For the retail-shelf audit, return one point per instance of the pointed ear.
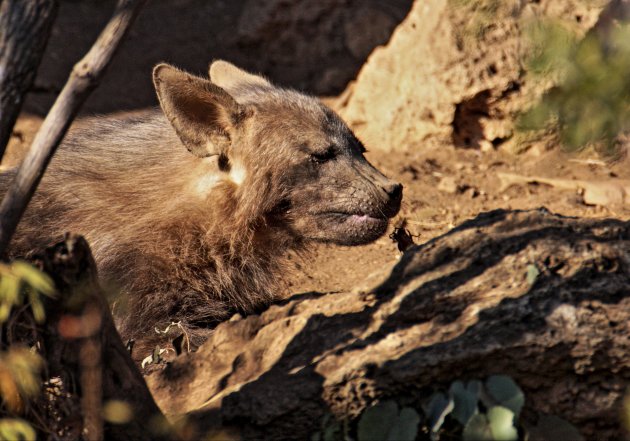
(203, 115)
(230, 77)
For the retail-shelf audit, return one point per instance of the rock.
(456, 308)
(448, 185)
(452, 73)
(369, 28)
(610, 193)
(486, 146)
(334, 36)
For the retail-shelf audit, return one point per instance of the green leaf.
(532, 274)
(376, 421)
(553, 427)
(117, 412)
(25, 367)
(9, 289)
(439, 406)
(501, 422)
(465, 402)
(35, 278)
(12, 429)
(477, 429)
(5, 310)
(506, 393)
(36, 306)
(406, 426)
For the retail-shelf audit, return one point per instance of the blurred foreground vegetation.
(591, 101)
(588, 101)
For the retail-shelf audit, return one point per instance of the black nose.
(394, 192)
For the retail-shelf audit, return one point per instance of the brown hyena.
(190, 211)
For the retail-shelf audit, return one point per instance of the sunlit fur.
(178, 235)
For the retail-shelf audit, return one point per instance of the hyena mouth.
(357, 228)
(356, 218)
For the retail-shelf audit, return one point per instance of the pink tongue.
(361, 218)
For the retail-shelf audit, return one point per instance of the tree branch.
(24, 30)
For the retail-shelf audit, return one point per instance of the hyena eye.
(321, 157)
(360, 145)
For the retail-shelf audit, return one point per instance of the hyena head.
(291, 162)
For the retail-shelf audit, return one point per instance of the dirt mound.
(453, 73)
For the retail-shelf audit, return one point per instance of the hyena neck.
(205, 264)
(203, 280)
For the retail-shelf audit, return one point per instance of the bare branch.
(83, 79)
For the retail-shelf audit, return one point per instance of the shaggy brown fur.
(196, 237)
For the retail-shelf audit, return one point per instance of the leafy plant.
(20, 281)
(505, 392)
(487, 411)
(496, 424)
(20, 367)
(465, 399)
(386, 422)
(19, 377)
(438, 407)
(591, 103)
(14, 429)
(472, 410)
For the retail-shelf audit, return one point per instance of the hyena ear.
(230, 77)
(203, 114)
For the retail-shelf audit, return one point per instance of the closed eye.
(321, 157)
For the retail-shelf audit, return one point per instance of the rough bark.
(24, 30)
(81, 345)
(457, 307)
(83, 79)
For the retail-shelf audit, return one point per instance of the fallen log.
(539, 297)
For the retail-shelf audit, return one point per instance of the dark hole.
(498, 141)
